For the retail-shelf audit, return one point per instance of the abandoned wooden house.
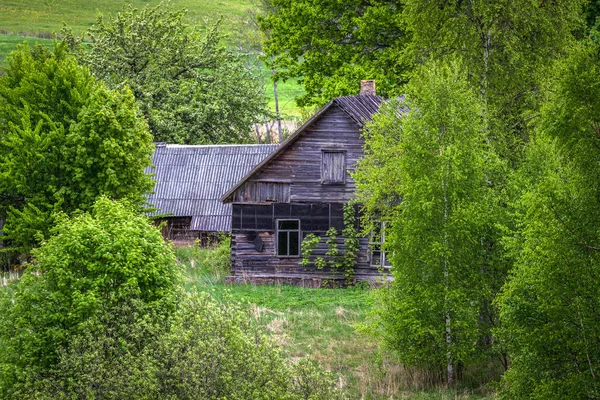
(299, 189)
(189, 183)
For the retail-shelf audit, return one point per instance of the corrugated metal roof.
(191, 179)
(360, 108)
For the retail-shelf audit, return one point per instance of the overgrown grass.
(320, 323)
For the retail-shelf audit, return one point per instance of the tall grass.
(320, 323)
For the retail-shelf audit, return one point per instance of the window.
(333, 168)
(376, 240)
(288, 237)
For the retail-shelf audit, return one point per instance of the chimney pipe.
(367, 87)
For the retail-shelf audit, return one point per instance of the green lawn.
(45, 16)
(320, 323)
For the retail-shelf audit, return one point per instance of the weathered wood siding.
(299, 166)
(247, 261)
(253, 241)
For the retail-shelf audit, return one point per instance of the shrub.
(93, 262)
(207, 350)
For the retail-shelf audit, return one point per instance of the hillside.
(36, 20)
(42, 17)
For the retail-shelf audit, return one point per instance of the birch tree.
(426, 171)
(549, 307)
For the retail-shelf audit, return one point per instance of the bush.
(206, 351)
(94, 262)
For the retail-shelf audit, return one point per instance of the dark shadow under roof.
(191, 179)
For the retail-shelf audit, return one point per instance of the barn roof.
(359, 108)
(191, 179)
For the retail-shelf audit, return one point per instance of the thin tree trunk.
(277, 108)
(449, 358)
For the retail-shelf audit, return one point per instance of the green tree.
(549, 306)
(65, 139)
(331, 46)
(505, 45)
(93, 262)
(426, 173)
(190, 88)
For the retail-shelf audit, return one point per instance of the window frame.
(383, 262)
(344, 169)
(277, 230)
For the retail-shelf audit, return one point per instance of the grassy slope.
(317, 322)
(45, 16)
(42, 17)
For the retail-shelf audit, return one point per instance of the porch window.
(376, 240)
(288, 237)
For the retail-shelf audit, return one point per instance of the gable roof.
(191, 179)
(359, 108)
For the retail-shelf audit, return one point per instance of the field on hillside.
(36, 20)
(29, 17)
(320, 323)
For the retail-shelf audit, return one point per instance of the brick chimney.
(367, 87)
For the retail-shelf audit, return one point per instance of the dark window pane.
(282, 210)
(282, 243)
(294, 250)
(248, 217)
(289, 225)
(264, 217)
(236, 221)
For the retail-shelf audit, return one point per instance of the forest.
(483, 165)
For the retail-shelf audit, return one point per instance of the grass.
(36, 20)
(31, 17)
(320, 323)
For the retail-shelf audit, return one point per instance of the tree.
(190, 89)
(93, 263)
(331, 46)
(426, 173)
(549, 306)
(506, 46)
(65, 140)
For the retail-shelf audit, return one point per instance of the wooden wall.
(290, 186)
(296, 173)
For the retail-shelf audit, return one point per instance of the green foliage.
(331, 46)
(549, 306)
(433, 156)
(506, 46)
(206, 350)
(190, 88)
(93, 263)
(66, 140)
(333, 258)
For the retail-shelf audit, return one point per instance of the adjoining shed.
(190, 181)
(299, 189)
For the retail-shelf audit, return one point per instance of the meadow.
(35, 21)
(320, 323)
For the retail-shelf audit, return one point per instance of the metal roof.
(359, 108)
(191, 179)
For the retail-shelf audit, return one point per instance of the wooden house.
(189, 181)
(301, 188)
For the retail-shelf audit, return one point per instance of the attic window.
(333, 167)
